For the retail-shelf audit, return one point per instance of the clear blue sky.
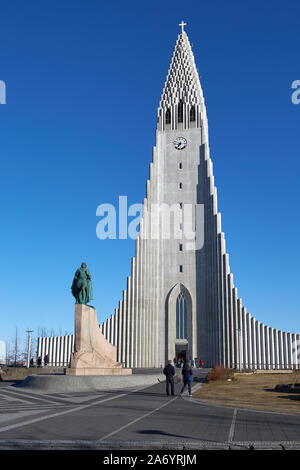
(83, 84)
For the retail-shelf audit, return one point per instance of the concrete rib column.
(61, 348)
(39, 342)
(233, 359)
(124, 328)
(258, 345)
(208, 283)
(113, 328)
(263, 346)
(253, 330)
(141, 347)
(225, 306)
(215, 305)
(272, 352)
(44, 349)
(50, 351)
(267, 347)
(276, 349)
(58, 350)
(69, 349)
(108, 329)
(146, 295)
(245, 335)
(53, 359)
(285, 351)
(151, 305)
(129, 311)
(222, 313)
(62, 351)
(294, 350)
(239, 342)
(138, 301)
(249, 340)
(118, 334)
(112, 324)
(298, 350)
(280, 346)
(150, 269)
(289, 348)
(116, 327)
(133, 314)
(66, 358)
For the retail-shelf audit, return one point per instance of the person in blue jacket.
(187, 374)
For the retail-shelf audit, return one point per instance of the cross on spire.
(182, 24)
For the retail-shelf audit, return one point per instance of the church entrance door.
(181, 353)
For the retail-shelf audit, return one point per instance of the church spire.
(182, 103)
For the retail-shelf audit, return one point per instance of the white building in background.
(181, 301)
(2, 352)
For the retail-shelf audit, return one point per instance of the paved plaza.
(140, 418)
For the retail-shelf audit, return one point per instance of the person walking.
(169, 372)
(187, 375)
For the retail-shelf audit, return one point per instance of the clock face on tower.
(180, 143)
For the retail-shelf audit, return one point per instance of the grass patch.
(253, 391)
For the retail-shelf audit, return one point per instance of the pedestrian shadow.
(291, 397)
(156, 432)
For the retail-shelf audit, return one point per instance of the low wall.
(69, 383)
(19, 373)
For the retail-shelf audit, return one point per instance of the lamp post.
(28, 346)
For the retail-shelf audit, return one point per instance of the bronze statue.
(82, 285)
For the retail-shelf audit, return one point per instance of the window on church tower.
(192, 114)
(181, 317)
(168, 116)
(180, 185)
(180, 166)
(180, 111)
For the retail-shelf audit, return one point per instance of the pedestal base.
(93, 355)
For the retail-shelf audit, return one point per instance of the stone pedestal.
(93, 355)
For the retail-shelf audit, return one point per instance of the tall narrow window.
(192, 114)
(180, 246)
(180, 166)
(180, 111)
(168, 116)
(181, 317)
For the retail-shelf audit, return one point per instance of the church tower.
(180, 298)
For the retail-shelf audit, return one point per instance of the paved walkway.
(144, 418)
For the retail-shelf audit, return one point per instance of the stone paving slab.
(137, 419)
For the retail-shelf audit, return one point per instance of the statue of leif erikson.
(82, 285)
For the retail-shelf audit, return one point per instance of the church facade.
(180, 299)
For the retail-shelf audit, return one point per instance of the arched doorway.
(179, 324)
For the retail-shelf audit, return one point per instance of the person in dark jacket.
(169, 372)
(187, 373)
